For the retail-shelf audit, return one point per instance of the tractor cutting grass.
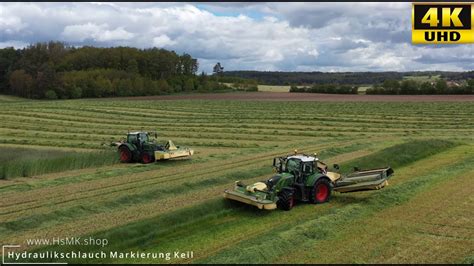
(178, 205)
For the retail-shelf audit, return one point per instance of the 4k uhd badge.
(442, 23)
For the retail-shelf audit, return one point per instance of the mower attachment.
(252, 195)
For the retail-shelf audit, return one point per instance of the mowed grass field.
(274, 88)
(423, 216)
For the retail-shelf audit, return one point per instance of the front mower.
(138, 147)
(303, 178)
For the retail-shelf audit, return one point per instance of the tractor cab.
(138, 138)
(300, 166)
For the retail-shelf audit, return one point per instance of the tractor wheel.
(321, 191)
(286, 200)
(125, 154)
(147, 158)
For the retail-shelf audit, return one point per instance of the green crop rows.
(60, 178)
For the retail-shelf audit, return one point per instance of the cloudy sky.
(242, 36)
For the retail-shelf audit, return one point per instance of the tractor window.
(132, 138)
(143, 137)
(307, 168)
(292, 165)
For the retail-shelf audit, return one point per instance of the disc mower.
(304, 178)
(138, 147)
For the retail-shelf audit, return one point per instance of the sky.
(297, 36)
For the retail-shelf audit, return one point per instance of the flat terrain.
(423, 216)
(307, 97)
(273, 88)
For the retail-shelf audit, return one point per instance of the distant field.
(302, 97)
(362, 89)
(423, 216)
(423, 78)
(272, 88)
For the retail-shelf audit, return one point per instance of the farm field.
(423, 216)
(273, 88)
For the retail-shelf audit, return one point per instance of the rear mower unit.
(138, 147)
(303, 178)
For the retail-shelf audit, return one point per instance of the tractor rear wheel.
(286, 200)
(125, 154)
(147, 158)
(321, 191)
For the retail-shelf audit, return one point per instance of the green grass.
(305, 234)
(145, 233)
(9, 98)
(178, 205)
(27, 162)
(399, 155)
(422, 78)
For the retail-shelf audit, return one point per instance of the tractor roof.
(304, 158)
(137, 132)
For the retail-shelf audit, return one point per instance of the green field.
(423, 78)
(423, 216)
(273, 88)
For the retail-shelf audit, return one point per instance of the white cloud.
(101, 33)
(163, 41)
(252, 36)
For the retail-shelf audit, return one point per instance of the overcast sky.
(242, 36)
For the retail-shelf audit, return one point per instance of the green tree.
(8, 57)
(391, 86)
(427, 88)
(75, 92)
(188, 84)
(51, 95)
(441, 86)
(409, 86)
(132, 66)
(163, 86)
(22, 83)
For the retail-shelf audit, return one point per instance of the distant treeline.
(55, 70)
(327, 88)
(408, 86)
(356, 78)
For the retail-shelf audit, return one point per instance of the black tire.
(286, 200)
(321, 191)
(125, 154)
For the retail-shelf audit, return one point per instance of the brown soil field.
(272, 96)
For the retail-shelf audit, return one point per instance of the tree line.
(356, 78)
(56, 70)
(326, 88)
(408, 86)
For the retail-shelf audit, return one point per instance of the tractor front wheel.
(321, 191)
(125, 154)
(147, 158)
(286, 200)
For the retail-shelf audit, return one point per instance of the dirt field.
(271, 96)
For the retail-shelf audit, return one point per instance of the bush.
(50, 95)
(427, 87)
(246, 85)
(327, 88)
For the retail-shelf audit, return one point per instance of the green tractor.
(303, 178)
(138, 147)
